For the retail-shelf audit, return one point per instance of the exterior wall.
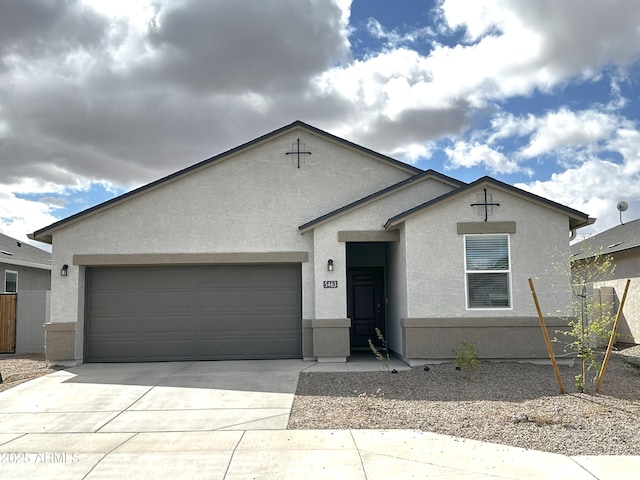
(518, 338)
(28, 278)
(32, 313)
(436, 288)
(252, 202)
(331, 303)
(627, 267)
(396, 293)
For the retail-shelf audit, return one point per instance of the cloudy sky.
(99, 97)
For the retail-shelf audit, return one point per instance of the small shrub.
(384, 355)
(467, 359)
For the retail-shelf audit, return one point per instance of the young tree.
(592, 319)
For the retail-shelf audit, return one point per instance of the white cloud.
(565, 128)
(556, 130)
(19, 216)
(474, 154)
(595, 187)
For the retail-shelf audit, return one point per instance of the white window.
(10, 281)
(488, 268)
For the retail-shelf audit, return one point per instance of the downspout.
(572, 231)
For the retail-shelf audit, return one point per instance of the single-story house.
(298, 244)
(25, 272)
(622, 243)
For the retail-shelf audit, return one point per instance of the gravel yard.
(19, 368)
(508, 403)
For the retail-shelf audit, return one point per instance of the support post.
(546, 338)
(612, 339)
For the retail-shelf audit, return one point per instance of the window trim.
(5, 280)
(507, 271)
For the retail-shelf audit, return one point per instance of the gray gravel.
(19, 368)
(514, 404)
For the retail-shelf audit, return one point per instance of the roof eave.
(419, 177)
(576, 219)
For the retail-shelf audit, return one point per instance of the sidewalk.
(290, 454)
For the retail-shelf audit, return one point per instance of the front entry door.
(365, 305)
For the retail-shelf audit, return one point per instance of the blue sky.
(97, 97)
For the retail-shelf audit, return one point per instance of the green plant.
(384, 355)
(591, 321)
(467, 359)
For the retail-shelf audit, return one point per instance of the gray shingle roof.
(17, 252)
(616, 239)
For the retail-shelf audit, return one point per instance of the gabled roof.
(16, 252)
(45, 234)
(616, 239)
(380, 194)
(576, 219)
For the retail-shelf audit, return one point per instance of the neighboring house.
(25, 270)
(622, 243)
(297, 245)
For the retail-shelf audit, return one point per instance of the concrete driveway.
(155, 397)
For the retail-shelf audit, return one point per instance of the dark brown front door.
(365, 305)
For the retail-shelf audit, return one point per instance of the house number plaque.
(330, 284)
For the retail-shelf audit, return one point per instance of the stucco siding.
(28, 278)
(251, 202)
(435, 258)
(396, 293)
(627, 267)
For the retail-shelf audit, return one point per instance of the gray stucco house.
(297, 245)
(23, 267)
(26, 271)
(622, 243)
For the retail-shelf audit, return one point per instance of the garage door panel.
(228, 276)
(221, 323)
(273, 297)
(107, 325)
(165, 324)
(220, 300)
(167, 349)
(166, 300)
(114, 350)
(164, 278)
(113, 301)
(276, 323)
(112, 279)
(193, 312)
(273, 348)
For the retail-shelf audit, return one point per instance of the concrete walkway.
(227, 420)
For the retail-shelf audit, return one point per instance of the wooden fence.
(8, 322)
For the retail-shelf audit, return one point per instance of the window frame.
(6, 273)
(507, 271)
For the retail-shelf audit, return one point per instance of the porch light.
(330, 265)
(63, 270)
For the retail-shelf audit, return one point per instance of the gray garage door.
(193, 313)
